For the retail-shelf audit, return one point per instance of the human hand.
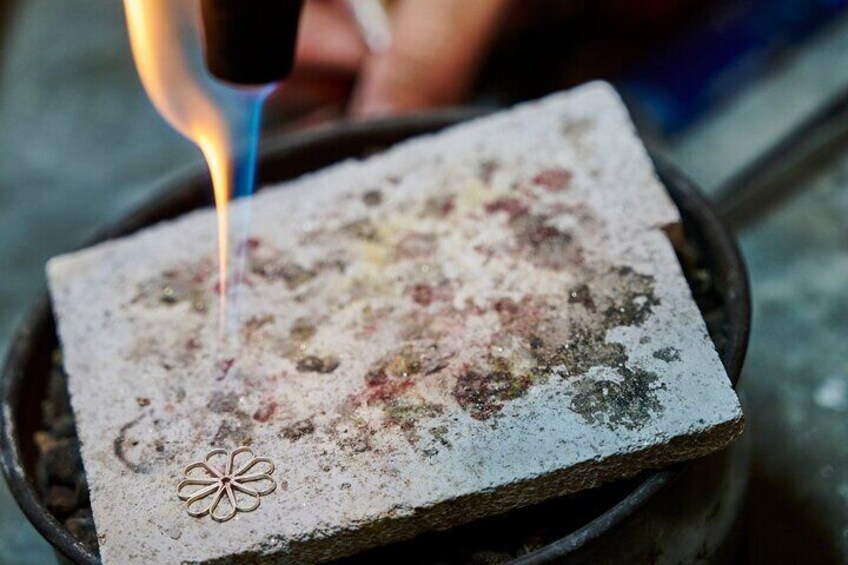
(432, 59)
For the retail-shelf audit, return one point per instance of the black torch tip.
(250, 42)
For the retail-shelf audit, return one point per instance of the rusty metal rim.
(185, 190)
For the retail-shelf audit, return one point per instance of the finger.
(328, 39)
(436, 49)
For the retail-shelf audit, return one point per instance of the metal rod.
(781, 171)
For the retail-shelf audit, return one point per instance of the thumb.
(436, 49)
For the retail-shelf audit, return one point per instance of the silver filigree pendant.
(226, 483)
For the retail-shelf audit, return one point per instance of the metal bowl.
(624, 520)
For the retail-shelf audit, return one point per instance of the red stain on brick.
(447, 206)
(387, 391)
(422, 294)
(393, 376)
(241, 279)
(416, 245)
(425, 294)
(512, 206)
(518, 316)
(553, 179)
(224, 366)
(248, 244)
(506, 306)
(202, 272)
(540, 234)
(265, 412)
(486, 251)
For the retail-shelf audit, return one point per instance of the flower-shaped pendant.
(225, 483)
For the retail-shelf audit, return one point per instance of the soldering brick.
(469, 322)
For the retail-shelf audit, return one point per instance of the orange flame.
(165, 36)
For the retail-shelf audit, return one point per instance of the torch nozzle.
(250, 42)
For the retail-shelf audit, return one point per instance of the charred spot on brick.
(179, 394)
(486, 170)
(632, 312)
(143, 456)
(439, 206)
(506, 306)
(186, 284)
(298, 430)
(376, 376)
(234, 431)
(265, 411)
(482, 393)
(629, 402)
(434, 360)
(371, 318)
(417, 325)
(363, 229)
(416, 245)
(667, 354)
(553, 179)
(545, 245)
(583, 350)
(566, 347)
(407, 413)
(223, 403)
(256, 323)
(487, 251)
(119, 448)
(638, 300)
(372, 198)
(513, 207)
(338, 265)
(536, 343)
(538, 234)
(303, 329)
(569, 348)
(405, 363)
(576, 127)
(316, 364)
(582, 295)
(291, 273)
(359, 443)
(440, 434)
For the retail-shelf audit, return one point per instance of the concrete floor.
(796, 378)
(80, 144)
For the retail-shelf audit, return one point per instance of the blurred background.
(748, 97)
